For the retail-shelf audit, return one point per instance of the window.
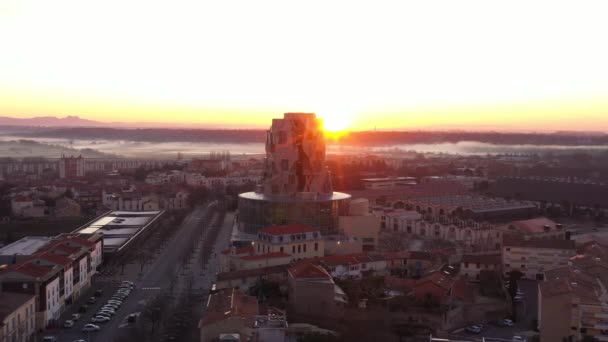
(305, 247)
(299, 249)
(316, 246)
(364, 266)
(507, 265)
(508, 249)
(523, 266)
(293, 249)
(281, 249)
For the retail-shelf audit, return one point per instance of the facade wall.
(20, 325)
(366, 228)
(532, 262)
(554, 317)
(312, 298)
(256, 214)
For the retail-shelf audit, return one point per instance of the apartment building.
(472, 264)
(277, 245)
(361, 224)
(475, 235)
(56, 273)
(533, 257)
(312, 292)
(573, 304)
(17, 317)
(299, 241)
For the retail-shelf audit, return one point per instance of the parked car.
(473, 329)
(98, 293)
(106, 311)
(128, 282)
(91, 327)
(506, 323)
(68, 324)
(518, 298)
(100, 319)
(519, 339)
(49, 339)
(75, 317)
(132, 318)
(92, 300)
(115, 301)
(83, 308)
(100, 314)
(79, 340)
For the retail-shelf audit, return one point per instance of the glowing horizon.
(536, 66)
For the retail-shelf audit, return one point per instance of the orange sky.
(516, 65)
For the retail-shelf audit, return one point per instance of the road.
(148, 284)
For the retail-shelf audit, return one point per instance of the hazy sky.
(535, 65)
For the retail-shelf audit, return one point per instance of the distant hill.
(380, 138)
(50, 121)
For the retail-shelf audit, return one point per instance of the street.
(156, 277)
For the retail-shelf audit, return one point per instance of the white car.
(91, 327)
(68, 324)
(128, 282)
(519, 339)
(75, 317)
(100, 319)
(473, 329)
(506, 323)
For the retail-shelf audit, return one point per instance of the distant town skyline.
(472, 65)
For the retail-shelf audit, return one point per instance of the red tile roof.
(535, 226)
(305, 270)
(23, 199)
(238, 251)
(229, 303)
(31, 269)
(265, 256)
(288, 229)
(56, 259)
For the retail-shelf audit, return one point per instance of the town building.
(361, 224)
(472, 265)
(71, 167)
(17, 317)
(573, 302)
(296, 186)
(540, 227)
(533, 257)
(473, 207)
(276, 245)
(56, 273)
(121, 229)
(387, 182)
(228, 311)
(312, 292)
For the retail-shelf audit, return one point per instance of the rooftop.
(305, 270)
(288, 229)
(487, 258)
(536, 225)
(119, 227)
(229, 303)
(11, 301)
(510, 241)
(25, 246)
(265, 256)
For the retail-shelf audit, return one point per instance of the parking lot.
(526, 313)
(75, 333)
